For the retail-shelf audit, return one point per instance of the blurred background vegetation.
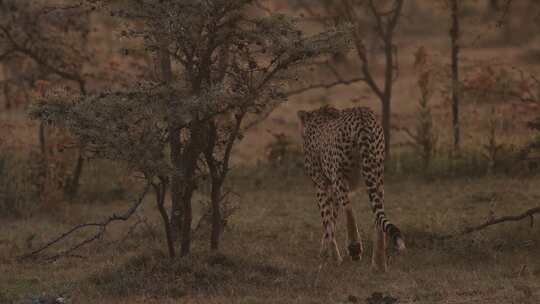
(498, 89)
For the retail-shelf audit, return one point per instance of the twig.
(132, 229)
(260, 118)
(325, 85)
(49, 9)
(527, 214)
(263, 7)
(101, 226)
(408, 132)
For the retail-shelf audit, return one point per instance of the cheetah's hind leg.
(329, 248)
(328, 242)
(378, 259)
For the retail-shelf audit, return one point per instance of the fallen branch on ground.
(131, 231)
(101, 226)
(509, 218)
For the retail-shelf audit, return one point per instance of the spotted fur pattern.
(341, 148)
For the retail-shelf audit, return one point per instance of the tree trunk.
(454, 35)
(187, 187)
(386, 111)
(176, 183)
(175, 144)
(187, 218)
(43, 158)
(216, 214)
(7, 97)
(494, 5)
(72, 186)
(217, 179)
(189, 158)
(387, 93)
(491, 10)
(385, 27)
(161, 190)
(41, 138)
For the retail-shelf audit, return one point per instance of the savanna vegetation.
(150, 152)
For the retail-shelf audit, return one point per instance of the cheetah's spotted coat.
(341, 146)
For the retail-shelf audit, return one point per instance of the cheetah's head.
(309, 118)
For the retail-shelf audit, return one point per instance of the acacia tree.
(118, 126)
(383, 17)
(51, 44)
(222, 62)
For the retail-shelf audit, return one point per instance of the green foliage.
(469, 163)
(424, 136)
(285, 157)
(220, 61)
(117, 126)
(281, 148)
(491, 149)
(214, 81)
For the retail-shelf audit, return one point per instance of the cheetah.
(341, 147)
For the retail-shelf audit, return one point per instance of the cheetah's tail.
(390, 229)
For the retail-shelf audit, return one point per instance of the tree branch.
(325, 85)
(509, 218)
(16, 47)
(396, 11)
(378, 18)
(408, 132)
(101, 226)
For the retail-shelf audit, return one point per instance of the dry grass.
(270, 251)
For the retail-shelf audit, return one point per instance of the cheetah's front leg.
(328, 241)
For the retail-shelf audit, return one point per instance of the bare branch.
(509, 218)
(325, 85)
(260, 118)
(308, 8)
(133, 228)
(367, 73)
(378, 18)
(408, 132)
(396, 11)
(24, 47)
(101, 226)
(262, 7)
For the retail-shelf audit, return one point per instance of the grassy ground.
(270, 250)
(270, 247)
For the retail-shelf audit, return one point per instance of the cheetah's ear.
(302, 116)
(330, 110)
